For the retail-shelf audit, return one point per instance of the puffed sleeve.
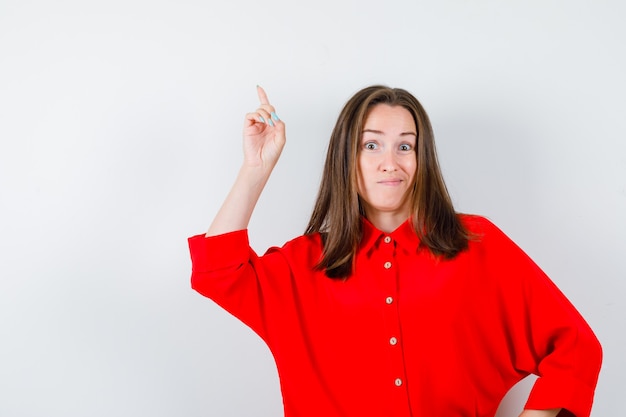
(546, 335)
(227, 270)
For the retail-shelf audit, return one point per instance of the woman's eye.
(370, 146)
(405, 147)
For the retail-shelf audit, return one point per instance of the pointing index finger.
(262, 96)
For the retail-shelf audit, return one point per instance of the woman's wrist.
(541, 413)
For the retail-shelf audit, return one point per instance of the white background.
(120, 129)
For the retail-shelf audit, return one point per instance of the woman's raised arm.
(263, 142)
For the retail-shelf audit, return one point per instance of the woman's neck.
(386, 221)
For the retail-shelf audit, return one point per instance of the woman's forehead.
(386, 119)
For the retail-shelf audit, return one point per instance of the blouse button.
(393, 341)
(398, 382)
(389, 300)
(387, 265)
(387, 239)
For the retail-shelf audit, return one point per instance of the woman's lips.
(392, 181)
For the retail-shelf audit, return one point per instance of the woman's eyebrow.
(380, 132)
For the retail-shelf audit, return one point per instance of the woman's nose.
(388, 162)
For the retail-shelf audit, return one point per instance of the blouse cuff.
(218, 252)
(569, 394)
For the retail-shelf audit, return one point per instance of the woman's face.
(387, 161)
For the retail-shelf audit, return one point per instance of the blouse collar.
(404, 236)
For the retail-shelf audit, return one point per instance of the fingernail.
(275, 116)
(261, 119)
(271, 123)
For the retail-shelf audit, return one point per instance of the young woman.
(391, 303)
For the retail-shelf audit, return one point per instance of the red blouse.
(408, 334)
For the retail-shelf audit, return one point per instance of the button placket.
(389, 275)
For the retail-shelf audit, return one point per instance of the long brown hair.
(338, 209)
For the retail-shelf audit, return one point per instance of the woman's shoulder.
(482, 230)
(304, 246)
(306, 242)
(476, 224)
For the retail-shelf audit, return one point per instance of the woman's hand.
(263, 141)
(263, 135)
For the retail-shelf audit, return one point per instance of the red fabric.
(464, 331)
